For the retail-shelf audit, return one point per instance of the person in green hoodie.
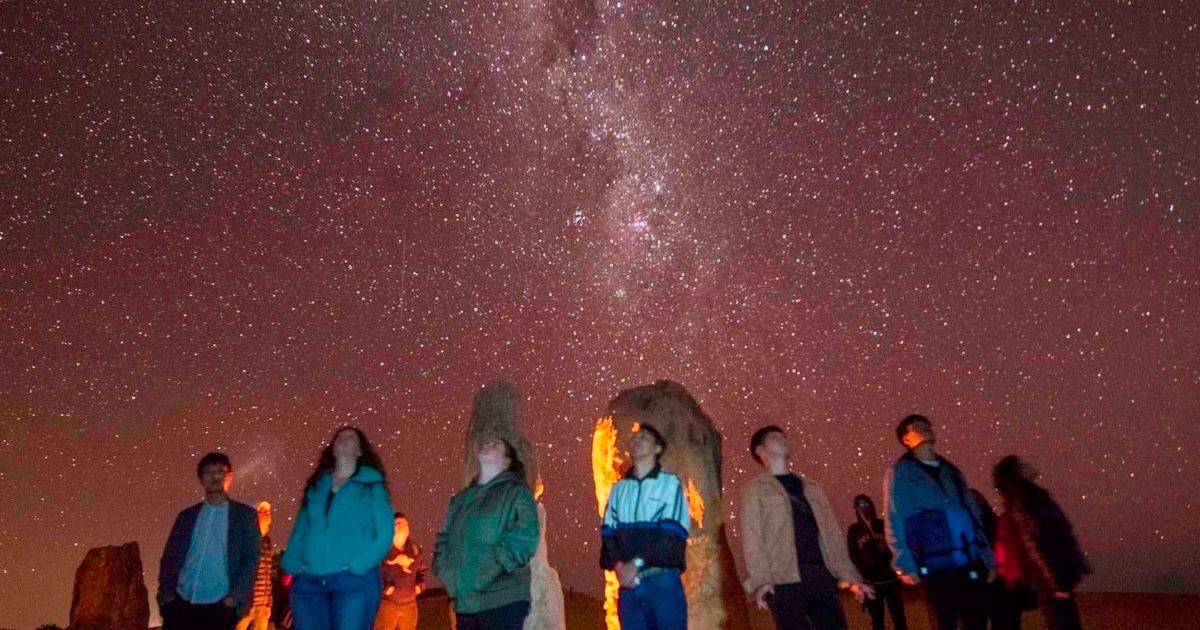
(343, 532)
(484, 547)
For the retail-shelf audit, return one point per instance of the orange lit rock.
(715, 598)
(110, 593)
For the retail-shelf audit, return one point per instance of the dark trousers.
(888, 594)
(506, 617)
(1060, 614)
(180, 615)
(656, 603)
(956, 597)
(810, 604)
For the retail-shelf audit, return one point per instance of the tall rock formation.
(110, 592)
(715, 598)
(497, 414)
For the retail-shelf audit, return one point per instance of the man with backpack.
(934, 528)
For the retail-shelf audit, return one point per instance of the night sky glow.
(237, 225)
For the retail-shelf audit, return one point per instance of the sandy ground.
(1101, 611)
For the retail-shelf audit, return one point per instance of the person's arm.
(981, 540)
(250, 542)
(758, 573)
(519, 541)
(608, 542)
(171, 562)
(1028, 532)
(292, 559)
(838, 561)
(441, 565)
(895, 511)
(384, 523)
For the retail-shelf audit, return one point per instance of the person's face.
(402, 531)
(492, 452)
(346, 445)
(264, 519)
(216, 478)
(918, 433)
(865, 507)
(642, 444)
(774, 443)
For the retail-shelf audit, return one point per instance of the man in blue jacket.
(932, 524)
(206, 575)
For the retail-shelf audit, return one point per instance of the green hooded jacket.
(484, 547)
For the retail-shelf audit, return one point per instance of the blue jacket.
(646, 518)
(909, 489)
(242, 556)
(350, 531)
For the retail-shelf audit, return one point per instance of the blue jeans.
(338, 601)
(658, 603)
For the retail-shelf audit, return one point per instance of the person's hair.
(863, 497)
(210, 459)
(907, 422)
(399, 515)
(326, 461)
(1007, 475)
(658, 438)
(759, 437)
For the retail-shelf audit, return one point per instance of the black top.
(870, 553)
(808, 535)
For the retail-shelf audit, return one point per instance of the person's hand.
(626, 573)
(760, 596)
(230, 602)
(405, 562)
(418, 589)
(910, 579)
(862, 592)
(389, 590)
(1062, 595)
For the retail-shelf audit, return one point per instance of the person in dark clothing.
(869, 552)
(1049, 552)
(404, 571)
(206, 575)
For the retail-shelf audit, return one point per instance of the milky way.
(238, 225)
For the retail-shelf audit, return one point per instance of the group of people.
(353, 566)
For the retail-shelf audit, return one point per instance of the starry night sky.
(237, 225)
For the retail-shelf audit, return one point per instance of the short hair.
(399, 515)
(210, 459)
(908, 421)
(654, 433)
(759, 437)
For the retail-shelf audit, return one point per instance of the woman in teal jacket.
(343, 532)
(484, 548)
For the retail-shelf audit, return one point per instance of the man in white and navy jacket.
(644, 539)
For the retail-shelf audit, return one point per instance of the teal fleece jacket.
(350, 531)
(484, 547)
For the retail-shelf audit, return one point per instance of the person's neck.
(778, 465)
(488, 473)
(399, 544)
(643, 466)
(925, 453)
(345, 468)
(216, 498)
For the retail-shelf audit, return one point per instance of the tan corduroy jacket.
(769, 538)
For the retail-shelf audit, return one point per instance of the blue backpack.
(943, 538)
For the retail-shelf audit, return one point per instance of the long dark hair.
(326, 461)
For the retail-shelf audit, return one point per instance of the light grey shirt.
(205, 575)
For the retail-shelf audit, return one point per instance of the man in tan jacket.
(795, 554)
